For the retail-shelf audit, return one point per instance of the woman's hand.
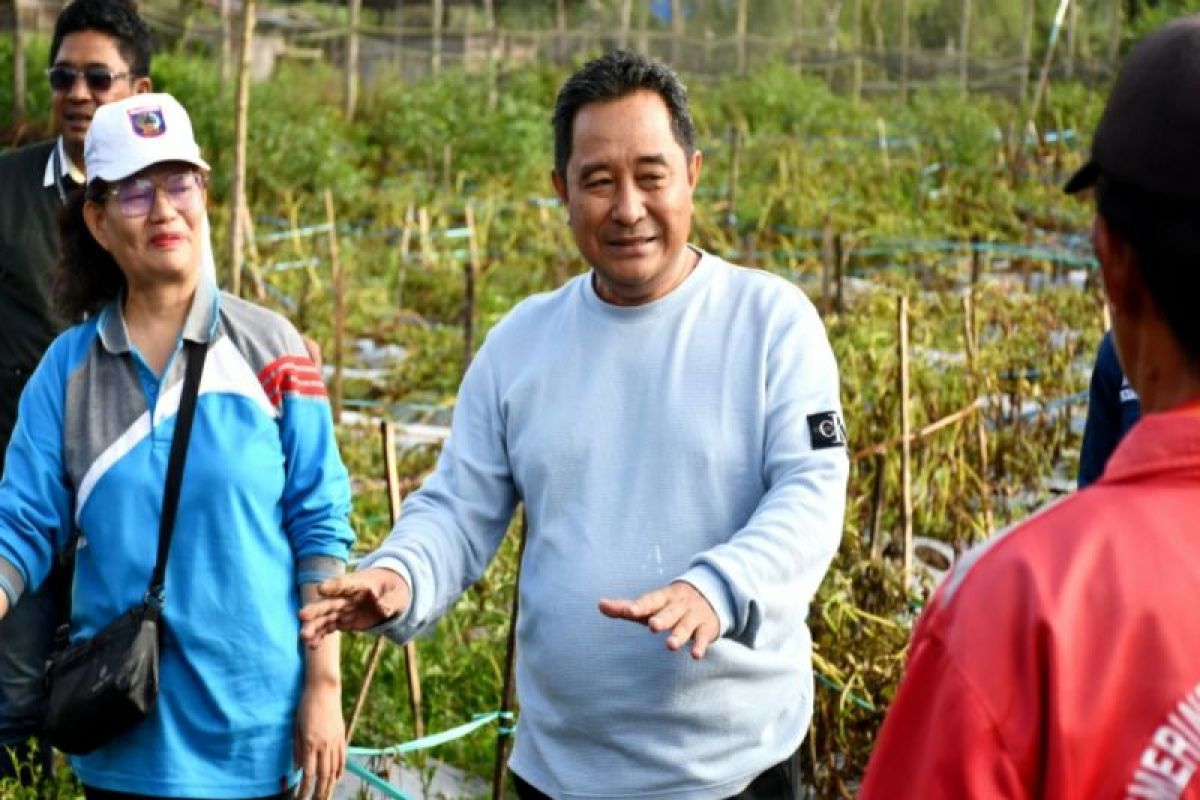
(320, 739)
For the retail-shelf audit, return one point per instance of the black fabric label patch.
(826, 430)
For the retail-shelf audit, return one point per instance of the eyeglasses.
(99, 79)
(135, 197)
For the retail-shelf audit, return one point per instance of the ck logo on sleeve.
(826, 430)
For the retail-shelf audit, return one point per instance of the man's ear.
(93, 217)
(560, 185)
(1119, 268)
(143, 85)
(694, 164)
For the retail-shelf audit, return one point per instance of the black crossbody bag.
(103, 686)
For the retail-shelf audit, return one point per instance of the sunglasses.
(99, 79)
(135, 197)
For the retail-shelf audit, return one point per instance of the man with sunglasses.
(100, 53)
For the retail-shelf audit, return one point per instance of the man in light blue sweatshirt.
(672, 424)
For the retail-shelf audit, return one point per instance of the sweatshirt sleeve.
(452, 526)
(938, 740)
(35, 497)
(773, 565)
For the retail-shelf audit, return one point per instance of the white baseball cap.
(129, 135)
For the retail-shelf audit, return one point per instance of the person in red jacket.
(1062, 658)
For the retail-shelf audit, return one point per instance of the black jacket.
(28, 249)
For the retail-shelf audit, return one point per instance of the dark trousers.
(103, 794)
(780, 782)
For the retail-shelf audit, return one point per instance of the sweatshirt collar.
(199, 326)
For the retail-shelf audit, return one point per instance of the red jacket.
(1062, 658)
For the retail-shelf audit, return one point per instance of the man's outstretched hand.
(680, 607)
(354, 602)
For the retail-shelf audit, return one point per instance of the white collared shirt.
(69, 169)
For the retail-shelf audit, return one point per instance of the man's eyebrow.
(653, 159)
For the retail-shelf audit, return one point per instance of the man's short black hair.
(116, 18)
(611, 77)
(1164, 233)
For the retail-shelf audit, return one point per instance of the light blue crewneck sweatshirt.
(651, 443)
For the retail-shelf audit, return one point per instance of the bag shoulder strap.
(196, 353)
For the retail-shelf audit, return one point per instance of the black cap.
(1149, 135)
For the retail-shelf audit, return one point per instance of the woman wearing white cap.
(242, 710)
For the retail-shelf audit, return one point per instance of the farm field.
(941, 217)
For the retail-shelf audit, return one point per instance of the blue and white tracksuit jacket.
(264, 507)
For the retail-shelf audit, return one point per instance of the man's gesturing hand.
(354, 602)
(678, 606)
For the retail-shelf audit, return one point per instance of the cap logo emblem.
(147, 122)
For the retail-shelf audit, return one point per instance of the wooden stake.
(388, 432)
(18, 65)
(904, 51)
(970, 343)
(735, 148)
(470, 270)
(798, 35)
(828, 254)
(625, 18)
(1027, 47)
(964, 45)
(435, 58)
(260, 291)
(226, 17)
(350, 100)
(560, 32)
(504, 735)
(339, 309)
(876, 535)
(906, 443)
(676, 32)
(240, 127)
(857, 73)
(1044, 78)
(489, 16)
(839, 269)
(743, 14)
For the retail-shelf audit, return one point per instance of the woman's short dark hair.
(1165, 235)
(116, 18)
(613, 76)
(86, 276)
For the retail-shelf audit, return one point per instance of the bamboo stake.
(1027, 47)
(350, 100)
(560, 32)
(643, 28)
(828, 254)
(798, 35)
(18, 68)
(241, 126)
(964, 45)
(260, 290)
(435, 57)
(1047, 61)
(839, 269)
(676, 32)
(470, 270)
(388, 432)
(925, 432)
(339, 310)
(877, 489)
(489, 16)
(503, 736)
(735, 148)
(904, 51)
(226, 17)
(742, 24)
(906, 440)
(1114, 35)
(857, 74)
(625, 16)
(970, 341)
